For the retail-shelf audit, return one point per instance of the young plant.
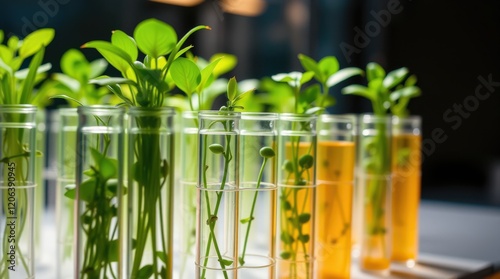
(266, 153)
(233, 96)
(72, 84)
(200, 80)
(99, 194)
(146, 84)
(388, 93)
(298, 166)
(17, 85)
(300, 96)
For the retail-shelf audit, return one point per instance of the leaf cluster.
(389, 92)
(17, 83)
(73, 83)
(307, 96)
(144, 82)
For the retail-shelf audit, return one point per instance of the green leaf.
(72, 84)
(153, 76)
(35, 41)
(226, 63)
(304, 218)
(359, 90)
(162, 255)
(216, 148)
(97, 67)
(311, 66)
(395, 77)
(376, 85)
(246, 220)
(304, 238)
(310, 94)
(89, 172)
(408, 92)
(70, 191)
(23, 74)
(232, 89)
(267, 152)
(107, 167)
(5, 67)
(87, 190)
(104, 80)
(217, 88)
(113, 54)
(411, 80)
(286, 238)
(75, 65)
(13, 44)
(285, 77)
(207, 74)
(225, 262)
(6, 54)
(16, 63)
(1, 36)
(307, 76)
(285, 255)
(68, 98)
(306, 161)
(113, 250)
(314, 110)
(374, 71)
(329, 65)
(182, 51)
(29, 82)
(342, 75)
(155, 38)
(145, 272)
(186, 75)
(125, 43)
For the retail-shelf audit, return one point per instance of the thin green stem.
(251, 218)
(212, 217)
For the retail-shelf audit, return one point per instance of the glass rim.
(219, 115)
(297, 116)
(147, 111)
(18, 108)
(67, 111)
(101, 109)
(372, 118)
(336, 118)
(259, 116)
(190, 113)
(414, 119)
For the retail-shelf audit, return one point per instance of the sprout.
(216, 148)
(306, 161)
(267, 152)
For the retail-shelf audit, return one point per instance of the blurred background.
(452, 46)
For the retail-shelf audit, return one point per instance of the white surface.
(464, 231)
(465, 235)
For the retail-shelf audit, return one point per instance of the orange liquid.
(375, 246)
(296, 249)
(335, 170)
(406, 163)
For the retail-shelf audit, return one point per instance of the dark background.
(449, 45)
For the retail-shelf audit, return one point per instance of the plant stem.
(250, 218)
(212, 218)
(149, 183)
